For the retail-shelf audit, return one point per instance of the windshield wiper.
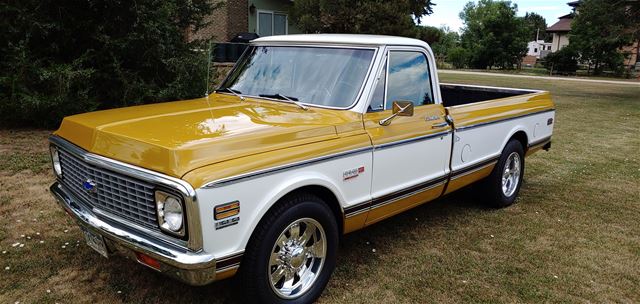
(292, 100)
(232, 91)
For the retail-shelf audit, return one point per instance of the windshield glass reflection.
(312, 75)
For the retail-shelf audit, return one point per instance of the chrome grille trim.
(122, 196)
(194, 230)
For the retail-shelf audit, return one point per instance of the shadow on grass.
(145, 283)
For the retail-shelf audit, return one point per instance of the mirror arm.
(387, 121)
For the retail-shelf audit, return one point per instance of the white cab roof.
(342, 39)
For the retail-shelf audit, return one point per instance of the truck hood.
(176, 137)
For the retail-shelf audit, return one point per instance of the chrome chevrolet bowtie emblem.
(89, 186)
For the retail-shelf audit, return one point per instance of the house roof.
(342, 39)
(574, 3)
(563, 25)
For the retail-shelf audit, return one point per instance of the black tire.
(254, 273)
(492, 186)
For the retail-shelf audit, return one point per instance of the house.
(538, 49)
(561, 29)
(264, 17)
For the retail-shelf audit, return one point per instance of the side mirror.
(400, 108)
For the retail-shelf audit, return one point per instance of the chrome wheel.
(297, 258)
(511, 174)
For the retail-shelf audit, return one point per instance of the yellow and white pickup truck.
(309, 137)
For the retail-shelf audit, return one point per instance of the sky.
(446, 11)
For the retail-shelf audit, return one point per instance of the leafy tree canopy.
(65, 57)
(597, 38)
(494, 34)
(360, 16)
(536, 27)
(448, 41)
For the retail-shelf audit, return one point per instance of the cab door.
(411, 153)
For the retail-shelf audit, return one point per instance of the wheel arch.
(518, 133)
(322, 190)
(522, 137)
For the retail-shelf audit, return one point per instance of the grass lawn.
(573, 236)
(528, 71)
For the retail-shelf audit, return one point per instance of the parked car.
(308, 138)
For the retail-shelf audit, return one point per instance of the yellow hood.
(177, 137)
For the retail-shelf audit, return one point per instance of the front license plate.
(96, 242)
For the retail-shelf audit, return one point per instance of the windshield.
(313, 75)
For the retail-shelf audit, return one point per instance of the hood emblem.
(89, 185)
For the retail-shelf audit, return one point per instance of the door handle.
(440, 125)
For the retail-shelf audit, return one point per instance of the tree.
(458, 57)
(564, 61)
(449, 40)
(634, 19)
(429, 34)
(596, 38)
(65, 57)
(536, 27)
(493, 34)
(360, 16)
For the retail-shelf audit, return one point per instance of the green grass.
(573, 235)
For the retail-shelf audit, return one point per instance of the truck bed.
(458, 94)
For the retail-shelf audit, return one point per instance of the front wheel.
(292, 253)
(502, 186)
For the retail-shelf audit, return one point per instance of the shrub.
(66, 57)
(564, 61)
(458, 57)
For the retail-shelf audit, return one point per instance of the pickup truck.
(309, 137)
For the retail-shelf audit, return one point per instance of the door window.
(377, 100)
(409, 78)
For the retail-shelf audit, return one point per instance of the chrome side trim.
(276, 169)
(463, 128)
(189, 194)
(410, 194)
(410, 140)
(476, 169)
(229, 262)
(394, 196)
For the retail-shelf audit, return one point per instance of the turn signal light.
(226, 210)
(148, 261)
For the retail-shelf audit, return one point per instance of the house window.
(535, 50)
(272, 23)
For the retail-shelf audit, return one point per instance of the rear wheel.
(292, 253)
(503, 185)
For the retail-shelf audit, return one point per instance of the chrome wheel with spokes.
(511, 174)
(297, 258)
(501, 187)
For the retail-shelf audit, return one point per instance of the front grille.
(114, 193)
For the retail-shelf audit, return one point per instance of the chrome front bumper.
(194, 268)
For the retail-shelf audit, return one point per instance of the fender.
(296, 181)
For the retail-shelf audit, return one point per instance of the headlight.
(170, 213)
(55, 160)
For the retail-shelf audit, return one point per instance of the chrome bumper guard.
(194, 268)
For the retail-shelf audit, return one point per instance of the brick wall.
(225, 22)
(237, 17)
